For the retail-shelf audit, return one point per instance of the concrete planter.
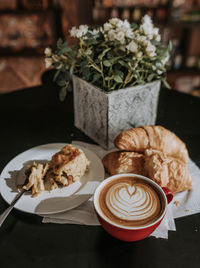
(102, 116)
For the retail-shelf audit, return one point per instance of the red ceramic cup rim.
(101, 185)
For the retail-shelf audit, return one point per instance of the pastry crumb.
(176, 203)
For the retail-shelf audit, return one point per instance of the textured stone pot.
(102, 116)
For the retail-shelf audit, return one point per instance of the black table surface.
(35, 116)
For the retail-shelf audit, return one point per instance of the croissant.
(167, 171)
(124, 162)
(156, 137)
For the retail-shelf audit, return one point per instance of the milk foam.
(132, 202)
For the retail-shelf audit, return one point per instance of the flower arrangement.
(113, 56)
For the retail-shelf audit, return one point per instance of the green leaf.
(118, 79)
(107, 63)
(62, 83)
(62, 93)
(64, 50)
(150, 77)
(56, 75)
(170, 46)
(123, 63)
(103, 53)
(166, 84)
(109, 77)
(71, 70)
(134, 25)
(96, 77)
(59, 43)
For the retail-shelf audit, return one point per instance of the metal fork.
(4, 215)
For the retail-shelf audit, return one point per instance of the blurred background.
(28, 26)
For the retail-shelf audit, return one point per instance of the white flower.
(155, 31)
(81, 31)
(114, 21)
(156, 34)
(111, 35)
(158, 38)
(126, 24)
(129, 33)
(73, 31)
(147, 29)
(95, 32)
(146, 43)
(120, 24)
(147, 19)
(139, 54)
(107, 26)
(150, 50)
(159, 72)
(141, 38)
(48, 62)
(48, 51)
(132, 46)
(120, 37)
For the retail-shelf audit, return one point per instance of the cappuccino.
(131, 201)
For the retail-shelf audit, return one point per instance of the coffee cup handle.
(168, 193)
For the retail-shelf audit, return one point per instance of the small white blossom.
(129, 33)
(95, 32)
(107, 26)
(147, 19)
(141, 38)
(120, 37)
(114, 21)
(150, 50)
(48, 62)
(80, 32)
(120, 24)
(158, 38)
(111, 35)
(83, 29)
(147, 29)
(132, 46)
(159, 72)
(73, 31)
(126, 25)
(48, 51)
(139, 54)
(155, 31)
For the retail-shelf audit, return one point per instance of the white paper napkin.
(183, 204)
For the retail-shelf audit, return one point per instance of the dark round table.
(35, 116)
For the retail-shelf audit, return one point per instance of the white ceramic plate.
(57, 200)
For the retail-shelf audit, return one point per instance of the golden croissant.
(156, 137)
(167, 171)
(123, 162)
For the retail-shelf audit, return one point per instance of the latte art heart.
(132, 202)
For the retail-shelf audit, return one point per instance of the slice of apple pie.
(67, 166)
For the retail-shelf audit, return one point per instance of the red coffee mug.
(127, 233)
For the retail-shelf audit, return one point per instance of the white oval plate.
(57, 200)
